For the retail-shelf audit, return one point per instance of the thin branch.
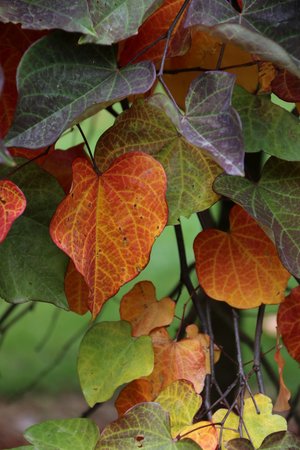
(220, 58)
(15, 319)
(9, 310)
(29, 161)
(257, 351)
(89, 150)
(111, 111)
(89, 411)
(208, 69)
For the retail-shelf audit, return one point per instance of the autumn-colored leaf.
(266, 73)
(288, 320)
(147, 127)
(192, 331)
(282, 400)
(12, 205)
(182, 403)
(286, 86)
(141, 308)
(108, 223)
(281, 440)
(203, 433)
(257, 425)
(182, 360)
(76, 290)
(138, 391)
(155, 26)
(104, 347)
(240, 267)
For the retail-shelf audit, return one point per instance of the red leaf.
(108, 223)
(286, 86)
(76, 290)
(288, 320)
(12, 205)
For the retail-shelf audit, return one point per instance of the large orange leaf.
(288, 320)
(156, 25)
(176, 360)
(240, 267)
(108, 223)
(138, 391)
(141, 308)
(12, 205)
(76, 290)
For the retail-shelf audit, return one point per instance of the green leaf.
(31, 266)
(118, 19)
(60, 83)
(67, 434)
(267, 126)
(109, 357)
(190, 172)
(281, 441)
(211, 123)
(239, 444)
(274, 202)
(144, 426)
(269, 29)
(47, 14)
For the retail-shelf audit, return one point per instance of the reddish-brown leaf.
(154, 27)
(141, 308)
(204, 433)
(138, 391)
(76, 290)
(282, 401)
(286, 86)
(288, 321)
(240, 267)
(12, 205)
(192, 332)
(182, 360)
(108, 223)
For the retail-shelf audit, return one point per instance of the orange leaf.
(266, 74)
(141, 308)
(137, 391)
(12, 205)
(203, 433)
(76, 290)
(182, 360)
(192, 331)
(240, 267)
(282, 401)
(288, 320)
(108, 223)
(155, 26)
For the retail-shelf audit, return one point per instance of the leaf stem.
(111, 111)
(89, 150)
(16, 169)
(257, 351)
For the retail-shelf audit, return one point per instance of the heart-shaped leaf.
(138, 391)
(189, 171)
(12, 205)
(146, 425)
(51, 73)
(108, 223)
(269, 30)
(211, 123)
(275, 202)
(244, 261)
(204, 433)
(288, 320)
(105, 347)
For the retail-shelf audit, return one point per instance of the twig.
(257, 352)
(89, 149)
(15, 319)
(111, 111)
(220, 58)
(29, 161)
(208, 69)
(89, 411)
(7, 312)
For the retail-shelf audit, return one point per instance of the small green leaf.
(109, 357)
(267, 126)
(145, 426)
(31, 266)
(67, 434)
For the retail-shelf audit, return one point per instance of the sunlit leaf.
(258, 425)
(288, 321)
(189, 171)
(54, 93)
(286, 86)
(144, 312)
(266, 73)
(181, 360)
(192, 331)
(211, 123)
(240, 267)
(263, 125)
(182, 403)
(270, 31)
(275, 202)
(38, 265)
(108, 223)
(154, 27)
(145, 426)
(76, 290)
(109, 357)
(204, 433)
(12, 205)
(66, 434)
(138, 391)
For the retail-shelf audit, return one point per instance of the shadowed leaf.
(288, 321)
(76, 290)
(12, 205)
(108, 223)
(53, 93)
(145, 426)
(274, 202)
(192, 332)
(286, 86)
(105, 347)
(138, 391)
(239, 444)
(144, 312)
(282, 440)
(284, 395)
(240, 267)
